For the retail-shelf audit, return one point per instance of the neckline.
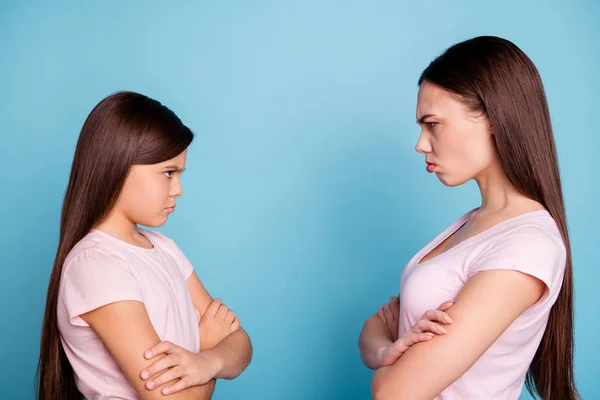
(127, 244)
(479, 236)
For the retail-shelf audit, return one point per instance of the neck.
(117, 225)
(498, 194)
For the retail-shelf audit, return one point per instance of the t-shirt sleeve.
(94, 279)
(527, 249)
(183, 263)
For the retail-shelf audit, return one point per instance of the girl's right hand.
(422, 331)
(216, 324)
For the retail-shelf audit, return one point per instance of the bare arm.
(488, 304)
(127, 332)
(379, 348)
(233, 354)
(373, 336)
(200, 296)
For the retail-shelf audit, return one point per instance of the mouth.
(171, 208)
(430, 166)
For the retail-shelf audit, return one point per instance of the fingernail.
(150, 385)
(166, 391)
(447, 319)
(145, 375)
(148, 355)
(443, 330)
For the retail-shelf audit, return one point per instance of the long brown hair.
(124, 129)
(493, 76)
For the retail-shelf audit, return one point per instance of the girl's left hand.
(193, 369)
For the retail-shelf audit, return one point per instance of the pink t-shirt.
(530, 243)
(101, 270)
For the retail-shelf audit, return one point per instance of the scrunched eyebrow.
(423, 118)
(175, 168)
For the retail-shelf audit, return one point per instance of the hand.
(422, 331)
(216, 324)
(388, 314)
(192, 369)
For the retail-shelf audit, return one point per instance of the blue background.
(304, 197)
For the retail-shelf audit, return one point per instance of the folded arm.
(234, 352)
(375, 334)
(488, 304)
(127, 332)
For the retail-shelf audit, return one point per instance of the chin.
(450, 181)
(157, 223)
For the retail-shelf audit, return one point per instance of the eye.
(431, 124)
(168, 174)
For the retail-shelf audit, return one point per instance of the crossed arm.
(487, 305)
(127, 332)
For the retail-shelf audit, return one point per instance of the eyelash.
(168, 172)
(431, 124)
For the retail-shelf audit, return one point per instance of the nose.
(423, 145)
(176, 189)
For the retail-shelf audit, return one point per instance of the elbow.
(380, 386)
(384, 387)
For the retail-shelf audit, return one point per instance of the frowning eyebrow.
(174, 168)
(424, 117)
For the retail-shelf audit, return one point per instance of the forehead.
(178, 160)
(432, 99)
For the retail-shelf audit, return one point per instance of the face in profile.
(458, 144)
(150, 191)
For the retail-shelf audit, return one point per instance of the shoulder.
(91, 250)
(530, 243)
(93, 260)
(533, 233)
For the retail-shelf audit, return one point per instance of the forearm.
(374, 335)
(232, 354)
(202, 392)
(380, 388)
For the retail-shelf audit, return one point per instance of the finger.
(446, 305)
(388, 313)
(222, 312)
(381, 316)
(230, 317)
(235, 325)
(400, 346)
(393, 354)
(414, 338)
(395, 306)
(159, 366)
(213, 307)
(410, 339)
(162, 347)
(437, 315)
(182, 384)
(167, 376)
(429, 326)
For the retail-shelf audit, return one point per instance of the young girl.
(507, 264)
(126, 315)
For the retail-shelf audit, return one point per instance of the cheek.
(464, 157)
(144, 195)
(155, 193)
(481, 151)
